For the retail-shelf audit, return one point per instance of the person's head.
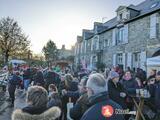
(82, 85)
(127, 75)
(68, 78)
(151, 81)
(96, 84)
(114, 76)
(37, 96)
(17, 73)
(93, 72)
(153, 72)
(52, 88)
(128, 68)
(158, 76)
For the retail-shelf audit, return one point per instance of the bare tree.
(12, 39)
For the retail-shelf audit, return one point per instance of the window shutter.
(143, 60)
(97, 43)
(124, 61)
(75, 50)
(126, 33)
(153, 21)
(81, 47)
(78, 48)
(129, 60)
(91, 63)
(85, 46)
(91, 44)
(114, 37)
(114, 59)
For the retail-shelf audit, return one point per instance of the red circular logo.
(107, 111)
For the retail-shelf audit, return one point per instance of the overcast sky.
(59, 20)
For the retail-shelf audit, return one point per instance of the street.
(19, 103)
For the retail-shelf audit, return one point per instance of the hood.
(51, 114)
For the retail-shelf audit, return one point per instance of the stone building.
(65, 53)
(127, 40)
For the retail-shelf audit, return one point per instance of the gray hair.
(37, 95)
(97, 83)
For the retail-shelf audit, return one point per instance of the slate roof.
(144, 8)
(88, 34)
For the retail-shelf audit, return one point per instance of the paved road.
(19, 103)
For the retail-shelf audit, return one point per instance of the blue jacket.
(14, 80)
(97, 103)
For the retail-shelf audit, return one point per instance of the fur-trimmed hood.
(51, 114)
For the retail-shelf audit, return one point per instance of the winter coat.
(73, 94)
(54, 100)
(73, 86)
(50, 78)
(155, 94)
(50, 114)
(114, 93)
(80, 107)
(14, 80)
(39, 79)
(97, 103)
(130, 85)
(27, 74)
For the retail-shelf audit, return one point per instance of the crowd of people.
(70, 95)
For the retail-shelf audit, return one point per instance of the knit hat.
(158, 73)
(114, 74)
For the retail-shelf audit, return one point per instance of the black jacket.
(154, 90)
(50, 78)
(97, 103)
(39, 79)
(114, 93)
(80, 107)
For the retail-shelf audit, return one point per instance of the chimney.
(63, 47)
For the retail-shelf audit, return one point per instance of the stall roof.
(154, 61)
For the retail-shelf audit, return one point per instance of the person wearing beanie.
(13, 81)
(115, 89)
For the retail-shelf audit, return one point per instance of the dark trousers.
(11, 90)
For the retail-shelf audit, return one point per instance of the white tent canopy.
(154, 61)
(17, 62)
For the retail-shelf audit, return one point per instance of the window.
(120, 16)
(95, 44)
(136, 60)
(136, 57)
(120, 35)
(120, 58)
(106, 42)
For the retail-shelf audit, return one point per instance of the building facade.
(127, 40)
(65, 53)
